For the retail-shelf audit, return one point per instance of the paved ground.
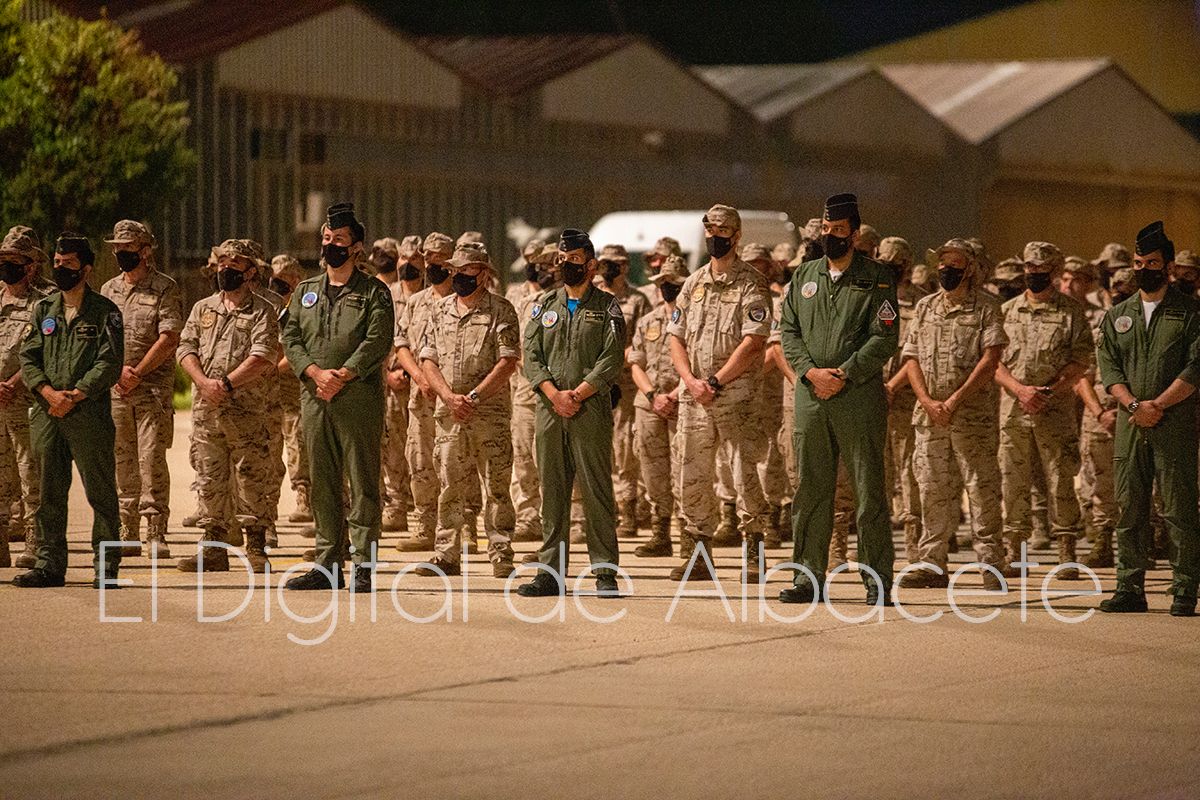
(1021, 706)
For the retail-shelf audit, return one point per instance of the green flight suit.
(567, 349)
(851, 324)
(342, 436)
(85, 354)
(1147, 361)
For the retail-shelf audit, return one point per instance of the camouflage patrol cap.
(981, 255)
(784, 252)
(242, 248)
(868, 236)
(614, 252)
(549, 254)
(469, 253)
(387, 245)
(674, 270)
(753, 251)
(532, 249)
(666, 246)
(1187, 258)
(1008, 270)
(812, 230)
(286, 267)
(1114, 256)
(469, 236)
(1039, 253)
(895, 250)
(723, 216)
(438, 243)
(129, 231)
(924, 275)
(1124, 275)
(22, 241)
(961, 245)
(410, 246)
(1082, 267)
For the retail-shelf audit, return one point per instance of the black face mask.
(410, 272)
(66, 278)
(12, 273)
(1105, 277)
(436, 273)
(1010, 290)
(670, 291)
(385, 265)
(835, 246)
(230, 280)
(335, 255)
(1120, 297)
(1037, 282)
(950, 277)
(612, 270)
(280, 287)
(127, 260)
(573, 274)
(531, 272)
(719, 246)
(1150, 280)
(465, 285)
(1187, 287)
(813, 250)
(786, 278)
(545, 279)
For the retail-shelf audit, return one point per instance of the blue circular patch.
(48, 326)
(675, 315)
(309, 300)
(533, 312)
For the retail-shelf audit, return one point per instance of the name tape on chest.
(593, 316)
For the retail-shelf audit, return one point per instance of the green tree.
(90, 130)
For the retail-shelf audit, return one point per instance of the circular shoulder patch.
(309, 299)
(535, 311)
(675, 315)
(757, 314)
(808, 290)
(48, 326)
(549, 319)
(1122, 324)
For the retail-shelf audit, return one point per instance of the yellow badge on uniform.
(698, 294)
(653, 331)
(208, 318)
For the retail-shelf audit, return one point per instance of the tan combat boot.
(1101, 556)
(754, 548)
(303, 511)
(772, 537)
(700, 572)
(687, 543)
(256, 553)
(660, 540)
(1066, 553)
(5, 554)
(216, 559)
(785, 522)
(394, 520)
(131, 526)
(727, 534)
(156, 538)
(838, 546)
(627, 525)
(28, 559)
(912, 537)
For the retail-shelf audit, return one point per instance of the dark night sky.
(717, 32)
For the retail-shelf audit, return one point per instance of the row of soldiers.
(984, 395)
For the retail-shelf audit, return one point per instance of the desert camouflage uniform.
(1097, 491)
(144, 418)
(948, 341)
(625, 461)
(772, 474)
(466, 346)
(411, 330)
(653, 435)
(1043, 339)
(20, 472)
(525, 486)
(712, 316)
(901, 434)
(398, 489)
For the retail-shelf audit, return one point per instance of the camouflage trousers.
(278, 469)
(293, 439)
(945, 460)
(20, 472)
(525, 486)
(703, 432)
(772, 472)
(465, 452)
(1050, 442)
(787, 447)
(397, 495)
(654, 437)
(625, 460)
(1097, 487)
(422, 470)
(901, 443)
(233, 465)
(145, 423)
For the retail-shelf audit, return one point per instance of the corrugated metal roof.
(770, 91)
(187, 32)
(978, 100)
(509, 65)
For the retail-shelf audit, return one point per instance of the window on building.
(267, 144)
(312, 148)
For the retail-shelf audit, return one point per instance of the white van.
(639, 230)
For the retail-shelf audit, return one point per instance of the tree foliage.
(90, 129)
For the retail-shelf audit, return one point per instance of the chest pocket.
(478, 338)
(729, 308)
(242, 331)
(1050, 332)
(143, 313)
(966, 338)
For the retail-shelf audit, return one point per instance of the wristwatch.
(714, 383)
(227, 384)
(1132, 407)
(649, 395)
(473, 396)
